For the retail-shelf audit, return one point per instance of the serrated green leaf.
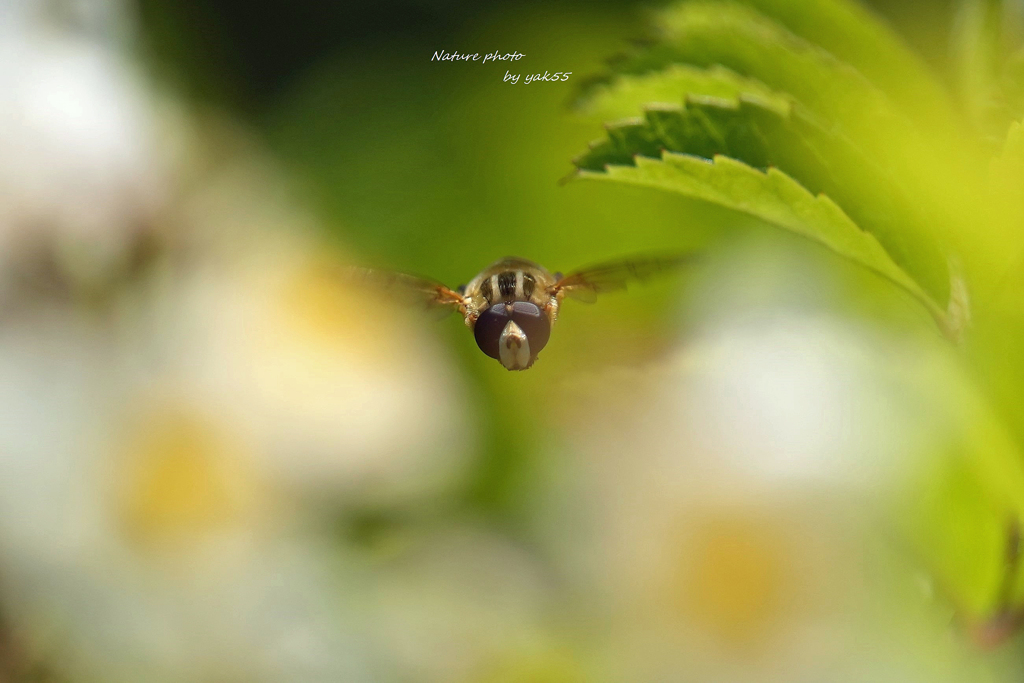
(741, 39)
(626, 96)
(772, 133)
(705, 127)
(938, 172)
(773, 197)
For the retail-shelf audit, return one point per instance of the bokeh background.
(221, 462)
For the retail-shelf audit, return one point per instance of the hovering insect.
(512, 304)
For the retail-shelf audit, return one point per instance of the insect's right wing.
(587, 283)
(409, 290)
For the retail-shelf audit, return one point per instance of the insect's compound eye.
(488, 327)
(526, 315)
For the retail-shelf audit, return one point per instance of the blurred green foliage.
(439, 169)
(768, 136)
(820, 119)
(869, 128)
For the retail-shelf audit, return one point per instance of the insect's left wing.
(409, 290)
(587, 283)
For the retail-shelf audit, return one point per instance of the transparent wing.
(587, 283)
(408, 290)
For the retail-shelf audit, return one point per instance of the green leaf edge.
(627, 91)
(788, 195)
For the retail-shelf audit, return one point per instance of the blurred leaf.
(995, 349)
(853, 34)
(749, 43)
(985, 34)
(1012, 157)
(626, 95)
(773, 197)
(974, 58)
(199, 63)
(960, 536)
(1007, 174)
(972, 487)
(1011, 86)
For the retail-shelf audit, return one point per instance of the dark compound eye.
(526, 315)
(488, 329)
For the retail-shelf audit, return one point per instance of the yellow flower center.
(181, 478)
(734, 580)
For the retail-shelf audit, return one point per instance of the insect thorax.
(508, 286)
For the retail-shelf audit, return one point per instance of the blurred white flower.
(81, 170)
(348, 395)
(139, 537)
(464, 605)
(164, 464)
(723, 508)
(718, 514)
(352, 398)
